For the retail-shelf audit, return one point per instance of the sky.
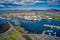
(29, 4)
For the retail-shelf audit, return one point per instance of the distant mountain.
(34, 10)
(53, 10)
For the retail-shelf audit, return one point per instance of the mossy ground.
(15, 36)
(54, 17)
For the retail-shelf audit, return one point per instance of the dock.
(51, 26)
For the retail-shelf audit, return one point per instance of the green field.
(15, 36)
(54, 17)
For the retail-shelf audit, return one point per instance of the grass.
(15, 36)
(20, 29)
(54, 17)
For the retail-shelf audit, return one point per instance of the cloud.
(26, 2)
(1, 5)
(54, 2)
(29, 2)
(18, 1)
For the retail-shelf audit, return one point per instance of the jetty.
(51, 26)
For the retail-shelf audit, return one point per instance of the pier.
(52, 26)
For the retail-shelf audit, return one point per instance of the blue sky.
(29, 4)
